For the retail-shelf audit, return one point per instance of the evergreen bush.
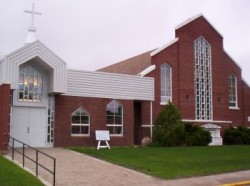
(237, 136)
(168, 129)
(196, 136)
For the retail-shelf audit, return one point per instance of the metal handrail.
(36, 161)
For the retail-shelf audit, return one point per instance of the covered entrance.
(34, 72)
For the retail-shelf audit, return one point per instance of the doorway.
(28, 125)
(137, 123)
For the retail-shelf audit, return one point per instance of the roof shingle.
(131, 66)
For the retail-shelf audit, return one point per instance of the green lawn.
(12, 175)
(176, 162)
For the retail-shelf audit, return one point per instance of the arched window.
(166, 83)
(203, 80)
(80, 122)
(115, 118)
(232, 82)
(30, 85)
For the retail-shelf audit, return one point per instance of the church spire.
(32, 29)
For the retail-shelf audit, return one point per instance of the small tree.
(196, 136)
(169, 129)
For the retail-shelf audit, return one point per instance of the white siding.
(11, 64)
(109, 85)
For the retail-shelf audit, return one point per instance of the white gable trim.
(147, 70)
(232, 58)
(245, 82)
(193, 18)
(158, 50)
(10, 65)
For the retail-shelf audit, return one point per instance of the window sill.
(234, 108)
(163, 103)
(116, 135)
(80, 135)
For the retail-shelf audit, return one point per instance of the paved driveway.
(75, 169)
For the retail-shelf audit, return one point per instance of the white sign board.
(102, 135)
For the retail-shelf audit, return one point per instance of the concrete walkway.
(78, 169)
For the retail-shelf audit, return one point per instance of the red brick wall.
(169, 56)
(5, 116)
(180, 56)
(66, 105)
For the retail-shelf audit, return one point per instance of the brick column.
(4, 116)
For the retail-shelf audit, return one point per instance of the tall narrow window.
(30, 85)
(232, 80)
(51, 119)
(203, 80)
(115, 118)
(80, 122)
(166, 83)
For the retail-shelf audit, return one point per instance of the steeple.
(31, 37)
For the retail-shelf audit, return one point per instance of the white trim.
(80, 135)
(122, 117)
(2, 58)
(147, 70)
(36, 50)
(81, 124)
(165, 103)
(242, 79)
(192, 19)
(234, 108)
(211, 126)
(236, 91)
(232, 58)
(147, 126)
(163, 47)
(114, 125)
(165, 65)
(205, 121)
(116, 135)
(198, 45)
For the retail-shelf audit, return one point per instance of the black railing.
(36, 160)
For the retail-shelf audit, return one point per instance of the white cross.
(32, 12)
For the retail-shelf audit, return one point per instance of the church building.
(45, 104)
(195, 73)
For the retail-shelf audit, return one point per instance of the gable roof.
(194, 18)
(131, 66)
(10, 65)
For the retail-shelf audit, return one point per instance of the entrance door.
(28, 124)
(137, 123)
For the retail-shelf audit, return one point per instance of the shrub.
(168, 130)
(196, 136)
(239, 135)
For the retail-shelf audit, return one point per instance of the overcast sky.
(90, 34)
